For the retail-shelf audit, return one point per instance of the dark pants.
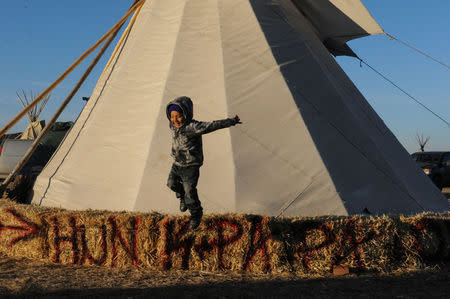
(183, 181)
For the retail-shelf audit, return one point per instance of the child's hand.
(237, 120)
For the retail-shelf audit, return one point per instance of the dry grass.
(446, 192)
(230, 243)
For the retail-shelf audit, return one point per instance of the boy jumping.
(187, 151)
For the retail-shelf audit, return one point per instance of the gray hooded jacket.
(187, 148)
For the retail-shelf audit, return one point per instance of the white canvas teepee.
(35, 126)
(309, 144)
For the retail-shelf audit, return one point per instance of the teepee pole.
(36, 142)
(70, 69)
(121, 40)
(23, 104)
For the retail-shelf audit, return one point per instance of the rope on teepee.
(406, 93)
(417, 50)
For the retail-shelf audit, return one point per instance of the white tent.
(35, 126)
(33, 129)
(309, 144)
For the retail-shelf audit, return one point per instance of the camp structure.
(309, 144)
(35, 125)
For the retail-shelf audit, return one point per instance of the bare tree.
(422, 141)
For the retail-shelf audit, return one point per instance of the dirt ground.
(20, 278)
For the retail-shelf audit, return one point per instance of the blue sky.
(41, 38)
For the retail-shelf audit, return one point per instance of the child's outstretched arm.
(204, 127)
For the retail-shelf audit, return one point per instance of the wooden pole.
(23, 105)
(70, 69)
(120, 42)
(36, 142)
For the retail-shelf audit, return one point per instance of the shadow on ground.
(409, 286)
(21, 278)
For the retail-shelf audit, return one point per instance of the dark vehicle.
(436, 165)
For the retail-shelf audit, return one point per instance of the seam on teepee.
(164, 91)
(225, 90)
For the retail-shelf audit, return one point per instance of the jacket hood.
(185, 103)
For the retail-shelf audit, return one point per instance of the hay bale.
(235, 243)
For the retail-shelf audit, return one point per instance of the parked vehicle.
(436, 166)
(11, 151)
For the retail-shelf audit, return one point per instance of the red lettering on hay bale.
(58, 239)
(30, 229)
(350, 245)
(258, 242)
(222, 241)
(117, 233)
(86, 254)
(418, 229)
(73, 240)
(305, 252)
(174, 242)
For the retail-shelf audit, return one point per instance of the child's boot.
(183, 206)
(196, 217)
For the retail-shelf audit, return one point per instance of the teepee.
(35, 125)
(309, 144)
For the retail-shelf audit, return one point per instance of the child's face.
(177, 119)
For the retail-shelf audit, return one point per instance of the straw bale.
(230, 243)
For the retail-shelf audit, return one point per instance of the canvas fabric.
(33, 130)
(310, 144)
